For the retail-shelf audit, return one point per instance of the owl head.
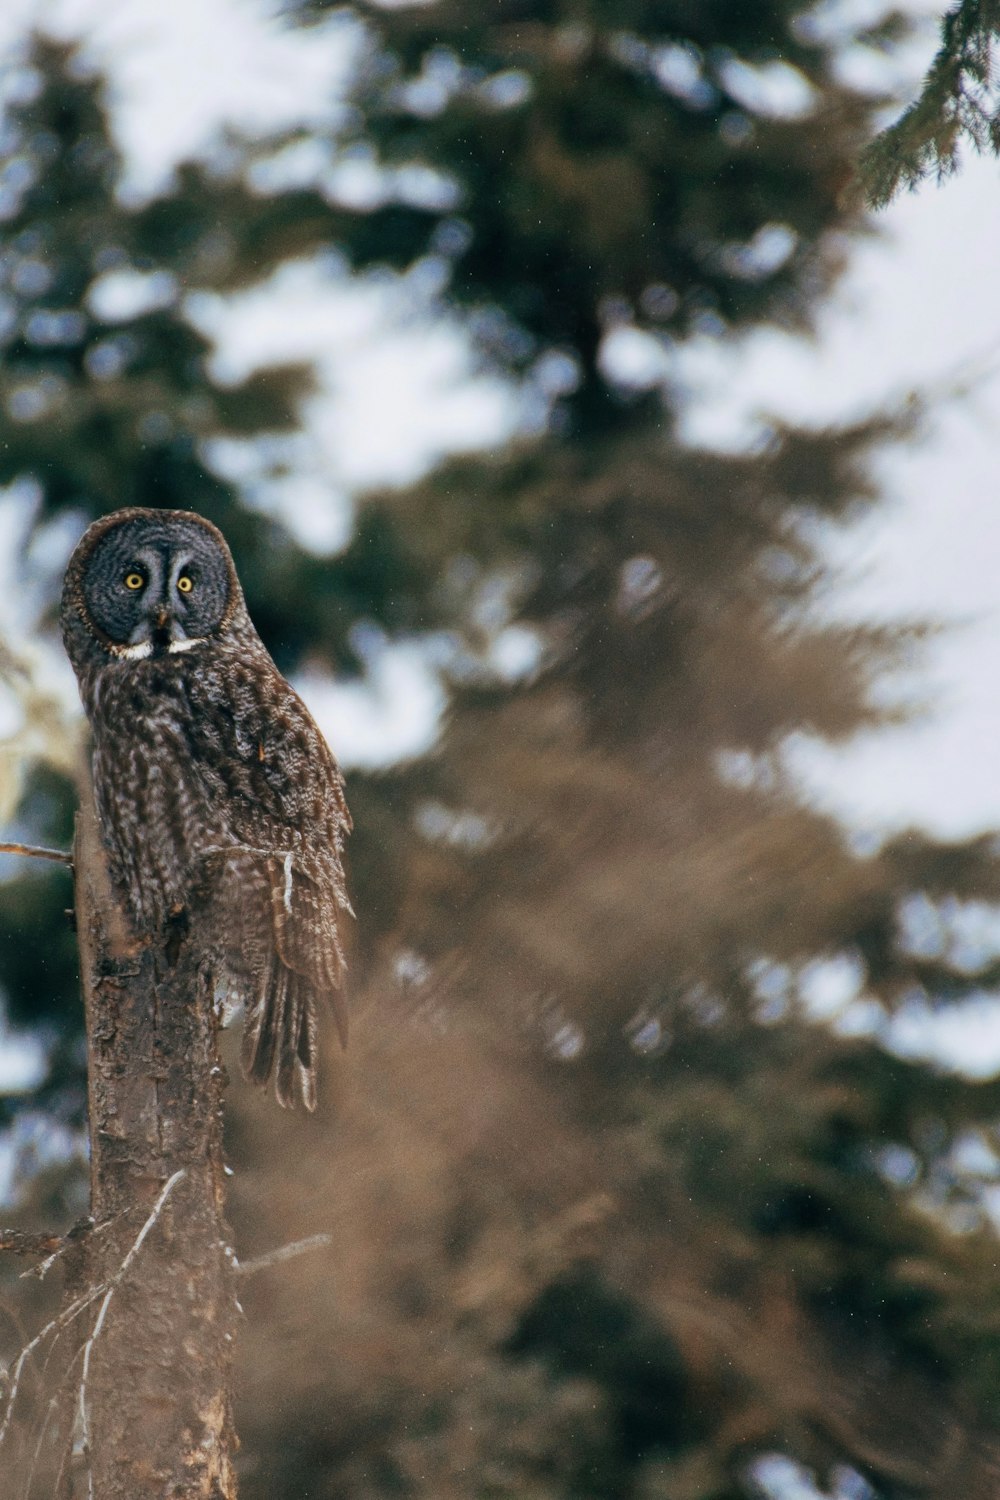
(145, 583)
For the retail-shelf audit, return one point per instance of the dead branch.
(48, 1244)
(35, 851)
(54, 1326)
(18, 1242)
(281, 1254)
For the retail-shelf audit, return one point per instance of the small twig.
(53, 1407)
(70, 1238)
(67, 1450)
(49, 1244)
(34, 851)
(116, 1281)
(44, 1266)
(284, 1252)
(19, 1242)
(58, 1324)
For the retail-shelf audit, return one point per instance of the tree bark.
(153, 1410)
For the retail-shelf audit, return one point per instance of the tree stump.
(152, 1402)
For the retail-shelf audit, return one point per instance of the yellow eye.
(185, 583)
(134, 581)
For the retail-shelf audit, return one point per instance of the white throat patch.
(142, 649)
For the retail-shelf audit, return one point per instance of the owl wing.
(275, 888)
(296, 963)
(306, 932)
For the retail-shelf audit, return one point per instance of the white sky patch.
(406, 401)
(398, 388)
(39, 700)
(515, 653)
(284, 477)
(962, 1037)
(775, 90)
(634, 358)
(18, 609)
(392, 714)
(119, 296)
(22, 1058)
(901, 320)
(180, 72)
(8, 1168)
(775, 1476)
(317, 515)
(761, 256)
(904, 319)
(29, 577)
(33, 1142)
(965, 934)
(871, 69)
(827, 986)
(679, 70)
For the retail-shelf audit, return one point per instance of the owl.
(220, 805)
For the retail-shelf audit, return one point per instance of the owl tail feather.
(279, 1037)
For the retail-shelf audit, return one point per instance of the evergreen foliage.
(613, 1212)
(958, 100)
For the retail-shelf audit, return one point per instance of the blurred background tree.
(624, 1196)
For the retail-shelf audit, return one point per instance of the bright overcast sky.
(919, 307)
(918, 310)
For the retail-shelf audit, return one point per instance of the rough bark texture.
(153, 1407)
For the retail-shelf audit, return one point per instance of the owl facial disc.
(154, 590)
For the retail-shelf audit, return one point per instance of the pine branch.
(958, 101)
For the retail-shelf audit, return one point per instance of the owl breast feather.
(196, 755)
(155, 805)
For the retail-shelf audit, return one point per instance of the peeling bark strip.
(153, 1399)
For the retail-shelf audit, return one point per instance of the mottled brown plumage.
(220, 804)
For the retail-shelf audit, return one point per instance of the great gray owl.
(219, 802)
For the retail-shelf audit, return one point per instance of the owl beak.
(163, 631)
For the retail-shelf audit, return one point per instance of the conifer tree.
(610, 1211)
(641, 1220)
